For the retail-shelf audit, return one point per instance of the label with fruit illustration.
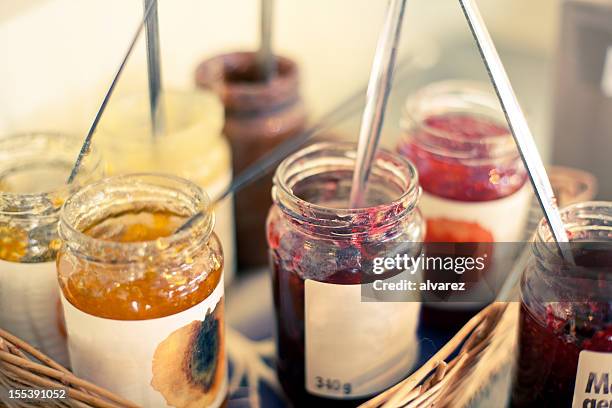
(30, 306)
(352, 348)
(176, 361)
(593, 380)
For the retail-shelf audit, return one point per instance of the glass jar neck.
(34, 168)
(236, 78)
(193, 135)
(589, 227)
(136, 194)
(460, 121)
(312, 189)
(191, 117)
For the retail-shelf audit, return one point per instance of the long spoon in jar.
(88, 138)
(376, 100)
(518, 126)
(260, 167)
(265, 58)
(154, 69)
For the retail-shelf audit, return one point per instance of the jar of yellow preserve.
(34, 168)
(193, 147)
(143, 303)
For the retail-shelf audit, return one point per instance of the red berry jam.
(288, 290)
(566, 316)
(549, 351)
(470, 175)
(472, 179)
(331, 346)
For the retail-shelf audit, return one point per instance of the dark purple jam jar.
(333, 348)
(565, 328)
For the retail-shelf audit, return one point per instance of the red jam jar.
(333, 349)
(565, 326)
(473, 180)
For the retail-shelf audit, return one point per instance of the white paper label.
(593, 387)
(152, 362)
(354, 348)
(30, 307)
(503, 219)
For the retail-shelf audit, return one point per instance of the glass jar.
(333, 348)
(471, 174)
(565, 326)
(34, 168)
(258, 116)
(144, 304)
(193, 147)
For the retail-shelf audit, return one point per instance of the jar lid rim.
(479, 95)
(406, 201)
(204, 227)
(53, 198)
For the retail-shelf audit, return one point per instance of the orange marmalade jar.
(33, 172)
(143, 303)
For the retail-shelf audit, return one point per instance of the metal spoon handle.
(265, 57)
(377, 96)
(154, 68)
(87, 142)
(518, 125)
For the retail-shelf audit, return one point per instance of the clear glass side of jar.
(310, 230)
(143, 279)
(34, 168)
(564, 308)
(457, 136)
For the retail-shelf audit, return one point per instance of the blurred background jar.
(259, 115)
(143, 303)
(34, 168)
(565, 327)
(474, 184)
(193, 147)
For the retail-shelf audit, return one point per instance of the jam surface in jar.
(148, 295)
(451, 177)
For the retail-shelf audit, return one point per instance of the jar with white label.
(474, 183)
(34, 168)
(333, 347)
(143, 303)
(192, 146)
(565, 326)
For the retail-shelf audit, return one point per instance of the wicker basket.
(24, 367)
(476, 352)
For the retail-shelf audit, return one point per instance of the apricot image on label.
(189, 365)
